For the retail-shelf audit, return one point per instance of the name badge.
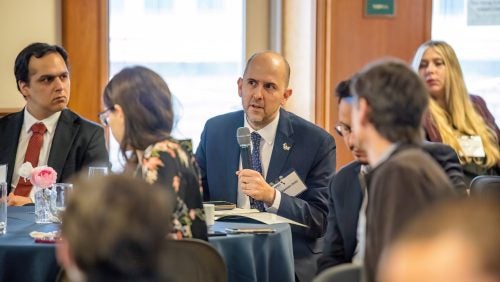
(291, 184)
(472, 146)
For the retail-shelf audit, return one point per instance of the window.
(199, 54)
(476, 43)
(158, 5)
(116, 5)
(209, 4)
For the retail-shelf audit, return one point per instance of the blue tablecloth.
(266, 257)
(21, 259)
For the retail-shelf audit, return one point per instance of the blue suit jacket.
(311, 155)
(77, 143)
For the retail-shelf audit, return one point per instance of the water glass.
(3, 173)
(209, 213)
(98, 171)
(3, 207)
(62, 190)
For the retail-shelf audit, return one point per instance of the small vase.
(43, 205)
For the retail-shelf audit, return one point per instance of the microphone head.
(243, 136)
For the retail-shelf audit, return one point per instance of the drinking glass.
(209, 213)
(3, 173)
(98, 171)
(3, 207)
(62, 190)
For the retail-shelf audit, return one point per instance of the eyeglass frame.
(103, 116)
(342, 127)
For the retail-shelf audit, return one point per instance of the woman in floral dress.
(139, 112)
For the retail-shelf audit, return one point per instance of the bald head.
(272, 58)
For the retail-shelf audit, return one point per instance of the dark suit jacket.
(345, 201)
(398, 189)
(77, 143)
(346, 198)
(311, 154)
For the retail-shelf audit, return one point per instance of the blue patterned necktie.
(257, 166)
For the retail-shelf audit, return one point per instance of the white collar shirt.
(51, 124)
(268, 134)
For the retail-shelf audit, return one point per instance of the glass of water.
(61, 190)
(3, 207)
(98, 171)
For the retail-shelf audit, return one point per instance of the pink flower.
(43, 176)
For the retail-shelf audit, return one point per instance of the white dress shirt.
(24, 138)
(268, 134)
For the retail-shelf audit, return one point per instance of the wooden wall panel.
(350, 40)
(85, 37)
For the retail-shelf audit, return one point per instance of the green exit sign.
(379, 7)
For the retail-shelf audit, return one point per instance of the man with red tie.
(45, 132)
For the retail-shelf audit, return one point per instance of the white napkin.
(43, 235)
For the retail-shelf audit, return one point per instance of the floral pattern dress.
(166, 163)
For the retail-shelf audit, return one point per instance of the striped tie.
(257, 166)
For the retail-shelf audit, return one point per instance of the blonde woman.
(456, 117)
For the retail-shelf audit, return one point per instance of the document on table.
(264, 217)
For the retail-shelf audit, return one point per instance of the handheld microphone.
(243, 137)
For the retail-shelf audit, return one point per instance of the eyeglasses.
(343, 129)
(103, 116)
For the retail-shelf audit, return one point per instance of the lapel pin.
(286, 147)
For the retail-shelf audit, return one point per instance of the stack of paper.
(264, 217)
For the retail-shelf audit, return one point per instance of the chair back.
(347, 272)
(485, 186)
(194, 260)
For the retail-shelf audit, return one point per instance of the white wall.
(296, 42)
(21, 23)
(299, 31)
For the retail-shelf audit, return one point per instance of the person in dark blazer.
(70, 142)
(292, 143)
(346, 194)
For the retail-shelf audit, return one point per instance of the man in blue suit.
(289, 144)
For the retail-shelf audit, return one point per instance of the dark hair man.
(344, 238)
(390, 100)
(45, 132)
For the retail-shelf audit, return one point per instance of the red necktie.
(23, 187)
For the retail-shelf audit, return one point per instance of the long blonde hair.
(460, 116)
